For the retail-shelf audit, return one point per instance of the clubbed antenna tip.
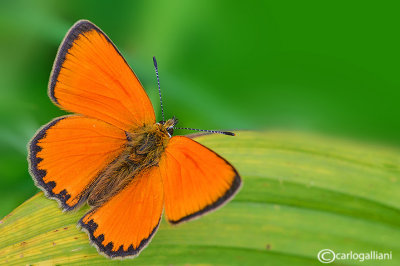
(159, 88)
(228, 133)
(155, 62)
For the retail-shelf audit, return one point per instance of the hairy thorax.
(143, 150)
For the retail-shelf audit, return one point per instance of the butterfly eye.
(170, 131)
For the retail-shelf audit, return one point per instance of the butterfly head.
(169, 125)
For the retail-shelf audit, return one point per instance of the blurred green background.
(325, 67)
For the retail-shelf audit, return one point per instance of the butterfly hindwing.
(196, 179)
(90, 77)
(66, 155)
(125, 224)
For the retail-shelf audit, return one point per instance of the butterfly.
(113, 155)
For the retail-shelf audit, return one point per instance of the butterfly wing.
(91, 77)
(125, 224)
(196, 180)
(66, 155)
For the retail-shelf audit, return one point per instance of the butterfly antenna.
(210, 131)
(159, 88)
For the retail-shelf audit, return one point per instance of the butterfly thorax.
(143, 150)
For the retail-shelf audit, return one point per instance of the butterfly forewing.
(90, 77)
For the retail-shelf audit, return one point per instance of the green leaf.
(301, 193)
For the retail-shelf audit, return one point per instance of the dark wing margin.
(125, 224)
(107, 249)
(196, 180)
(92, 78)
(78, 29)
(66, 155)
(39, 174)
(230, 193)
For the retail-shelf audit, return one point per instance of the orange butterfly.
(113, 155)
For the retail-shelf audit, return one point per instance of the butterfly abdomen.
(142, 151)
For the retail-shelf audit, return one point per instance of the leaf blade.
(302, 193)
